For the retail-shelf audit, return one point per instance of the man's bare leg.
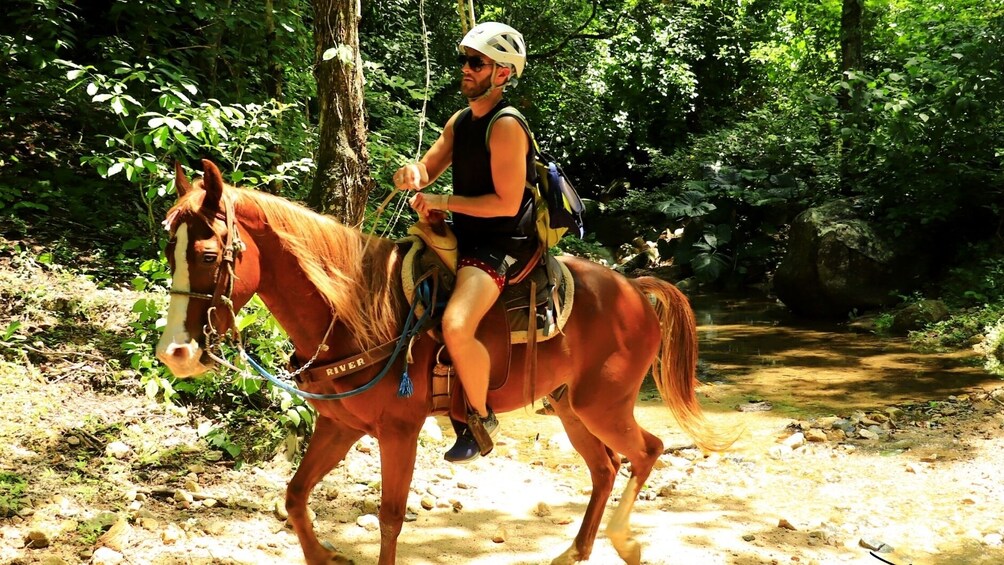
(473, 296)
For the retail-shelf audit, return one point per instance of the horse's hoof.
(336, 558)
(630, 552)
(569, 557)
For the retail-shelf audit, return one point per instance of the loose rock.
(779, 452)
(815, 436)
(117, 537)
(171, 534)
(117, 449)
(432, 430)
(106, 556)
(36, 540)
(368, 522)
(867, 434)
(795, 440)
(541, 510)
(875, 545)
(279, 509)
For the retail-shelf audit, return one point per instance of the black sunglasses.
(474, 62)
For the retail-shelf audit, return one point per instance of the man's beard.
(472, 90)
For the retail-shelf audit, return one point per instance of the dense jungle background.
(845, 157)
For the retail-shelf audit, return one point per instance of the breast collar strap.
(347, 366)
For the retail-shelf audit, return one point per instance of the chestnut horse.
(322, 279)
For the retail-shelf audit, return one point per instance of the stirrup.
(483, 430)
(468, 447)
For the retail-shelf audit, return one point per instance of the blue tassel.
(406, 389)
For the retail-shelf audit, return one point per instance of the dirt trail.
(926, 489)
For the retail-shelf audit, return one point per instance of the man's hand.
(425, 204)
(412, 176)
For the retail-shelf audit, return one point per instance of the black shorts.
(502, 260)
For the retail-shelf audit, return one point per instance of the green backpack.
(557, 205)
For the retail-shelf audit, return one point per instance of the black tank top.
(472, 176)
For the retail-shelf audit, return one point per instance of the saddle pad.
(416, 263)
(518, 310)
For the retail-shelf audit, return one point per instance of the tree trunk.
(342, 182)
(850, 40)
(273, 84)
(850, 60)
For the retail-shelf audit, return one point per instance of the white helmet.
(498, 41)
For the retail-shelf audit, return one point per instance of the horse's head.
(211, 274)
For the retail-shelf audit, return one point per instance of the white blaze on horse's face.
(177, 348)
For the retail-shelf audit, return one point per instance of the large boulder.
(918, 315)
(837, 262)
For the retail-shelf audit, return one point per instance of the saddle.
(432, 258)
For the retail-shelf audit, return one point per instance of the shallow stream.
(753, 349)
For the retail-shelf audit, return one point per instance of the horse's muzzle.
(184, 359)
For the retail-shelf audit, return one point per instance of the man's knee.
(457, 328)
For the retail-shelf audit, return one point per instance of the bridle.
(233, 246)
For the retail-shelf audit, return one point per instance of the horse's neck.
(298, 306)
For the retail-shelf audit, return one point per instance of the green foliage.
(734, 190)
(708, 261)
(13, 493)
(978, 277)
(90, 530)
(173, 126)
(925, 130)
(10, 333)
(883, 323)
(992, 348)
(170, 83)
(974, 291)
(588, 248)
(247, 398)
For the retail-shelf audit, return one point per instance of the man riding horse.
(491, 207)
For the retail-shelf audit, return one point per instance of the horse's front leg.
(327, 447)
(397, 465)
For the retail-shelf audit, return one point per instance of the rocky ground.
(93, 471)
(116, 478)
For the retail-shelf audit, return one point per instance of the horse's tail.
(675, 367)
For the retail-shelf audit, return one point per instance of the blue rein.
(412, 326)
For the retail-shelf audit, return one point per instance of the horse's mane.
(354, 280)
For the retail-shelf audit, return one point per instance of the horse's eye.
(209, 258)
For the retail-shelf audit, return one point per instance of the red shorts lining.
(479, 264)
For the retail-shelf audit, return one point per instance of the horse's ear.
(212, 182)
(181, 183)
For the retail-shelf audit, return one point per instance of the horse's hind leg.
(603, 465)
(327, 447)
(608, 413)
